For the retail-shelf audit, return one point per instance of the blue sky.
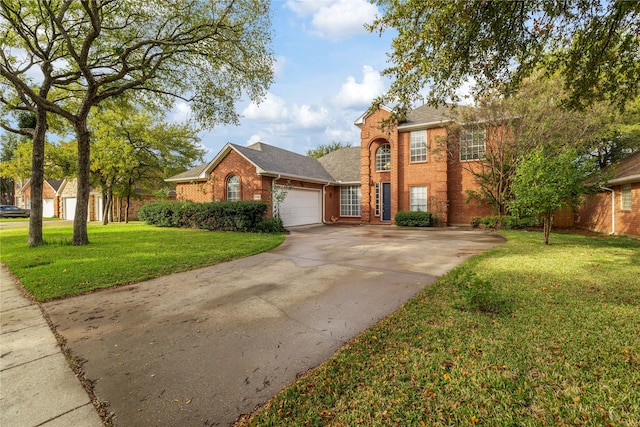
(327, 73)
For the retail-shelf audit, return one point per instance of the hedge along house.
(616, 208)
(405, 169)
(315, 188)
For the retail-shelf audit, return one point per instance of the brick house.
(616, 208)
(390, 171)
(59, 200)
(50, 199)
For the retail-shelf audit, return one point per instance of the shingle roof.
(55, 183)
(275, 160)
(191, 174)
(424, 115)
(343, 164)
(627, 170)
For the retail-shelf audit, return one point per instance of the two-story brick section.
(413, 165)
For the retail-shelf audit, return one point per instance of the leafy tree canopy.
(595, 44)
(325, 149)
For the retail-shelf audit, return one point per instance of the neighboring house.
(50, 199)
(59, 200)
(616, 208)
(390, 171)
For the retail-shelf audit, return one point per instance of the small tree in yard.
(545, 182)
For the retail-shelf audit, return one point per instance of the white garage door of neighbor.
(301, 207)
(47, 208)
(69, 208)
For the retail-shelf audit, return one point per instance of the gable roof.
(53, 183)
(268, 160)
(343, 164)
(627, 170)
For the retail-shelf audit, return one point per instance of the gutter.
(613, 210)
(324, 196)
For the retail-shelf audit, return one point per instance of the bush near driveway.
(118, 254)
(552, 340)
(220, 216)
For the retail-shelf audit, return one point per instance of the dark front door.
(386, 201)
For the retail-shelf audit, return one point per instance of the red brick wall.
(432, 174)
(595, 214)
(371, 138)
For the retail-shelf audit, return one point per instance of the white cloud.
(336, 19)
(253, 139)
(181, 112)
(271, 109)
(359, 95)
(306, 116)
(279, 65)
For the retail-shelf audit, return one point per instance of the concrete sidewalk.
(37, 386)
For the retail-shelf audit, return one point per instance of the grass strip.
(525, 334)
(118, 254)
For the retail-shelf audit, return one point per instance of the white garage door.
(69, 208)
(301, 207)
(47, 208)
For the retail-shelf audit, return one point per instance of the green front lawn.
(118, 254)
(525, 334)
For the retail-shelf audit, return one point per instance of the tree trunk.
(548, 220)
(107, 207)
(126, 211)
(80, 235)
(37, 179)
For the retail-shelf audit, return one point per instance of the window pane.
(418, 146)
(625, 200)
(418, 199)
(350, 201)
(377, 200)
(383, 158)
(472, 143)
(233, 188)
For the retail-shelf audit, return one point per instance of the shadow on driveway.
(201, 348)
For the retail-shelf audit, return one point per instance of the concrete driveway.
(201, 348)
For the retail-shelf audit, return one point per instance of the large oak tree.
(206, 53)
(595, 44)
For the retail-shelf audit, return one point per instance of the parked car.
(10, 211)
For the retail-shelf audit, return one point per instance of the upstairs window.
(383, 158)
(233, 188)
(418, 146)
(472, 143)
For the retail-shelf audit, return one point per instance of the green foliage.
(323, 150)
(480, 295)
(444, 45)
(505, 222)
(545, 182)
(271, 225)
(118, 254)
(414, 219)
(246, 216)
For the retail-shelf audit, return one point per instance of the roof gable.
(270, 160)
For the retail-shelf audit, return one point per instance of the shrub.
(415, 219)
(480, 295)
(476, 221)
(490, 221)
(505, 222)
(271, 225)
(220, 216)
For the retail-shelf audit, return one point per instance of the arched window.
(233, 188)
(383, 158)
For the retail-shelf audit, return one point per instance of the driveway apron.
(203, 347)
